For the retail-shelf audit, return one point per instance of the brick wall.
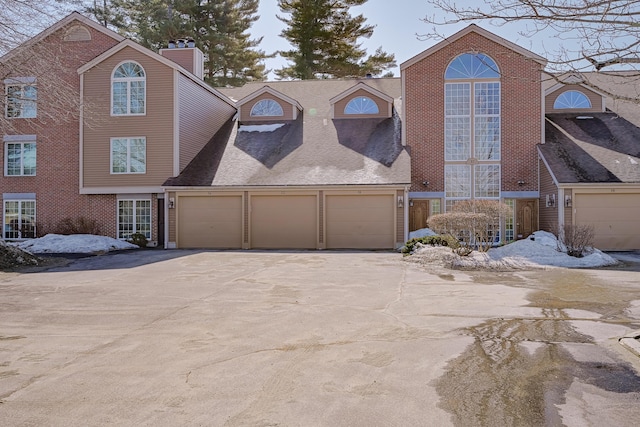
(521, 113)
(56, 182)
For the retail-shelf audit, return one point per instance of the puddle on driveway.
(517, 370)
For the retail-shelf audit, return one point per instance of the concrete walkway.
(166, 338)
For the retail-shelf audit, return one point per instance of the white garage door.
(210, 222)
(360, 221)
(615, 218)
(284, 222)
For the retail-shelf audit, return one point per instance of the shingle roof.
(592, 148)
(314, 149)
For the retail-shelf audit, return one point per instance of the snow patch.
(75, 243)
(423, 232)
(260, 128)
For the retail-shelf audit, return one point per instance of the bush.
(448, 241)
(138, 239)
(78, 225)
(577, 239)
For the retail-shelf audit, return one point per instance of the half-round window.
(472, 66)
(361, 105)
(266, 107)
(128, 89)
(571, 99)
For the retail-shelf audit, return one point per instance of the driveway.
(166, 338)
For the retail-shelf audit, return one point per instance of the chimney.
(186, 54)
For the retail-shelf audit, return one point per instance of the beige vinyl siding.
(156, 125)
(383, 106)
(201, 115)
(548, 216)
(245, 109)
(596, 100)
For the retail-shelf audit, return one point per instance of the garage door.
(614, 218)
(210, 222)
(360, 222)
(284, 222)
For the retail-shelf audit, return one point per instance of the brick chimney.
(187, 55)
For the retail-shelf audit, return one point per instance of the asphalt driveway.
(313, 338)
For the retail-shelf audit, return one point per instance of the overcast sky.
(396, 24)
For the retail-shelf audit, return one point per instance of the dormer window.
(572, 99)
(268, 108)
(361, 105)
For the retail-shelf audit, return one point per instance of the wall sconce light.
(521, 182)
(172, 202)
(551, 200)
(411, 202)
(567, 201)
(400, 201)
(425, 183)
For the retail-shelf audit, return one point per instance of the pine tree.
(325, 39)
(219, 28)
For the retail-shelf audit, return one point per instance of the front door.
(418, 214)
(526, 217)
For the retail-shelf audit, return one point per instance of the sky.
(397, 23)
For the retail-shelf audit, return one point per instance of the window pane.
(125, 218)
(28, 220)
(137, 97)
(143, 217)
(266, 107)
(11, 215)
(472, 66)
(457, 138)
(487, 181)
(14, 159)
(138, 155)
(487, 98)
(118, 155)
(119, 98)
(29, 158)
(572, 99)
(457, 181)
(457, 99)
(487, 138)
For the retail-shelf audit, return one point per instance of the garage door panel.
(210, 222)
(284, 222)
(360, 222)
(614, 218)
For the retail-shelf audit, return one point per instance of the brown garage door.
(284, 222)
(614, 218)
(360, 222)
(210, 222)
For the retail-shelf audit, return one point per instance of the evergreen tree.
(219, 28)
(325, 39)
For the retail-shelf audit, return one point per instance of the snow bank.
(260, 128)
(423, 232)
(75, 243)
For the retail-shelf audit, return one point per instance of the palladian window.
(472, 126)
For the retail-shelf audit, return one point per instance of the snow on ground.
(260, 128)
(540, 250)
(423, 232)
(75, 243)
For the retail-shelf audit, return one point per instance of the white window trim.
(21, 82)
(128, 80)
(20, 201)
(128, 138)
(135, 201)
(264, 100)
(6, 157)
(363, 98)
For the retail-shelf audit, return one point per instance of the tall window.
(19, 219)
(20, 158)
(571, 99)
(128, 155)
(21, 100)
(134, 216)
(128, 94)
(266, 107)
(472, 129)
(361, 105)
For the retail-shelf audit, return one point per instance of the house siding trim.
(124, 190)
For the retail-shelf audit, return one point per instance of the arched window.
(128, 94)
(361, 105)
(571, 99)
(266, 107)
(472, 66)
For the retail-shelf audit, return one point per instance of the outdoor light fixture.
(400, 201)
(521, 183)
(425, 183)
(172, 202)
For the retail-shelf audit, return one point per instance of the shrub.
(577, 239)
(77, 225)
(138, 239)
(448, 241)
(472, 222)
